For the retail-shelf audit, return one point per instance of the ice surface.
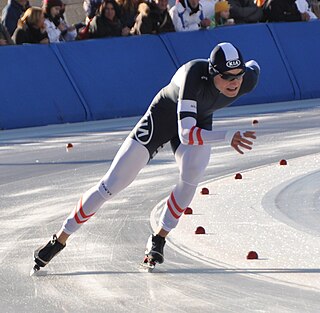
(273, 210)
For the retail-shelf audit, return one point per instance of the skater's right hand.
(239, 140)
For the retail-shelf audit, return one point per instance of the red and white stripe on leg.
(174, 208)
(79, 215)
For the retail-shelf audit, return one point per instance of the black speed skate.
(43, 255)
(153, 252)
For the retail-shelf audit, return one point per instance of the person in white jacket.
(51, 9)
(57, 29)
(188, 15)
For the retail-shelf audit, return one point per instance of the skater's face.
(229, 83)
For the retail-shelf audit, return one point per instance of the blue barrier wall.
(34, 89)
(107, 78)
(118, 77)
(299, 46)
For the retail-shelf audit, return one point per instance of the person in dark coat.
(245, 11)
(153, 18)
(91, 7)
(5, 38)
(128, 11)
(107, 23)
(31, 28)
(283, 11)
(12, 12)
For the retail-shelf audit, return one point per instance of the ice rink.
(273, 210)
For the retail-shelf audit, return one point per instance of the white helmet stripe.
(230, 51)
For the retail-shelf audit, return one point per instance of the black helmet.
(225, 57)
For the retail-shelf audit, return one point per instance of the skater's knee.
(193, 165)
(192, 174)
(104, 189)
(115, 181)
(192, 170)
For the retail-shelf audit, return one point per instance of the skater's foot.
(154, 249)
(44, 254)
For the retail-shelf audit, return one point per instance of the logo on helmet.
(233, 63)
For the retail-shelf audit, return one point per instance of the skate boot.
(44, 254)
(154, 251)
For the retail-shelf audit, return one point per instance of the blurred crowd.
(22, 23)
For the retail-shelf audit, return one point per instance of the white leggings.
(130, 159)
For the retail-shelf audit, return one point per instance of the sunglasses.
(231, 77)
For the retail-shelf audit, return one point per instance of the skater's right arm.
(189, 134)
(188, 131)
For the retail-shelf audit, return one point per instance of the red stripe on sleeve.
(200, 141)
(191, 141)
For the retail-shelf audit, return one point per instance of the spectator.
(5, 38)
(57, 28)
(68, 32)
(91, 8)
(245, 11)
(128, 11)
(304, 7)
(283, 11)
(153, 18)
(188, 15)
(12, 12)
(30, 28)
(222, 14)
(51, 9)
(107, 22)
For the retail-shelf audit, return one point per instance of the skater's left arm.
(241, 140)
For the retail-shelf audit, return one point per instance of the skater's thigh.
(192, 161)
(131, 151)
(130, 159)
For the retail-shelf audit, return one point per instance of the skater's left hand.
(239, 140)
